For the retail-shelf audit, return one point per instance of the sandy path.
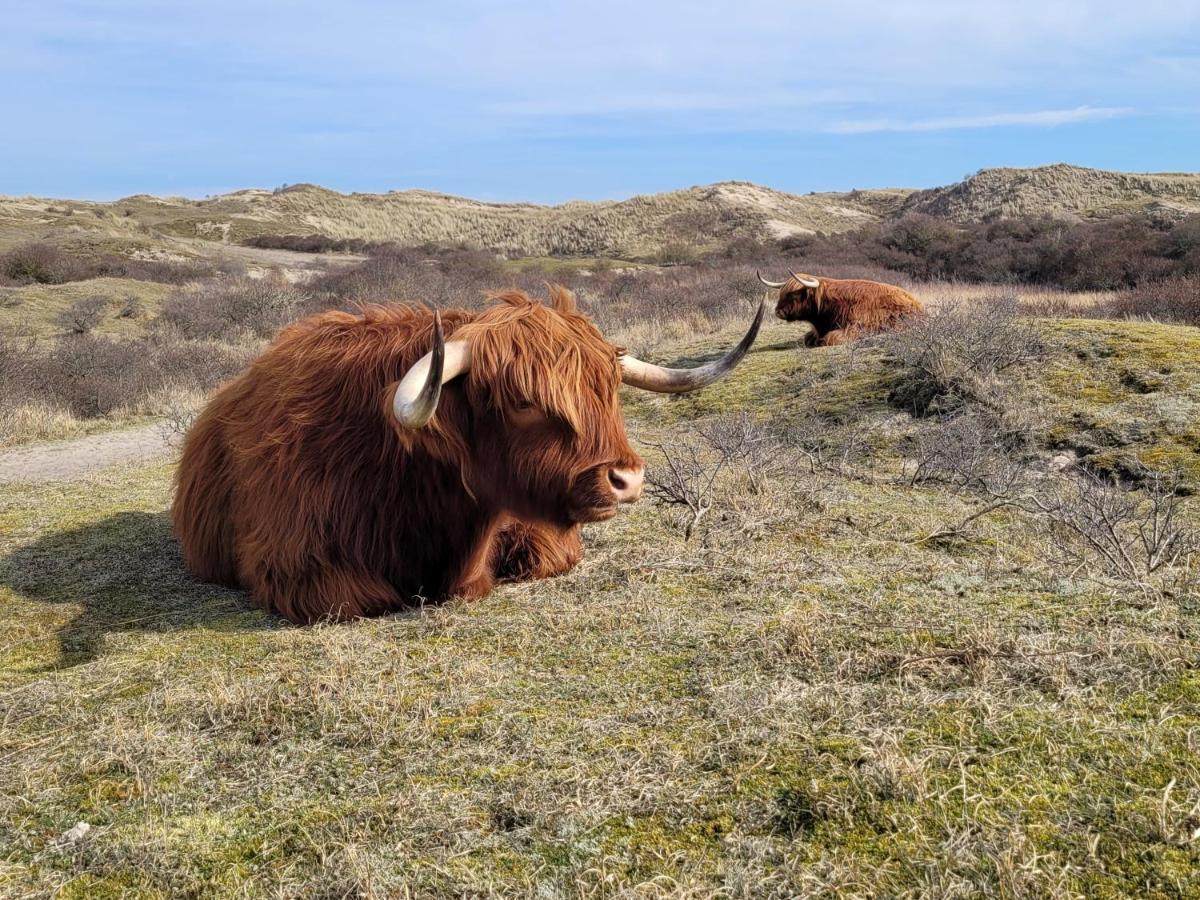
(65, 460)
(287, 260)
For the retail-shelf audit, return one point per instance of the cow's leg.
(835, 337)
(812, 338)
(527, 550)
(478, 574)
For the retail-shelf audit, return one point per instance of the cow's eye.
(524, 412)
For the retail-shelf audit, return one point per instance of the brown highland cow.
(842, 309)
(365, 462)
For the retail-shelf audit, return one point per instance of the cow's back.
(296, 457)
(204, 487)
(869, 305)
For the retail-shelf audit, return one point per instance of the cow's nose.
(627, 483)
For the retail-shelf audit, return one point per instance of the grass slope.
(37, 309)
(639, 226)
(807, 698)
(1057, 190)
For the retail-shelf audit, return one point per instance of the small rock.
(1062, 462)
(76, 834)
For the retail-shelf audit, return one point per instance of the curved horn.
(650, 377)
(418, 392)
(770, 284)
(807, 282)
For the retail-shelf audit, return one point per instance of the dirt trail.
(296, 266)
(66, 460)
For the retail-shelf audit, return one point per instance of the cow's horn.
(807, 282)
(650, 377)
(420, 389)
(770, 284)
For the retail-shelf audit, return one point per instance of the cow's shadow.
(122, 573)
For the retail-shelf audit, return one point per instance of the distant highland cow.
(842, 309)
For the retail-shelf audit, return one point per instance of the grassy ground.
(809, 697)
(38, 308)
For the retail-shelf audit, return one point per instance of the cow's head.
(799, 297)
(523, 399)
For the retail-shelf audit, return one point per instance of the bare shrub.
(164, 271)
(675, 253)
(749, 445)
(92, 376)
(234, 309)
(195, 365)
(979, 451)
(717, 295)
(17, 352)
(1169, 300)
(827, 445)
(1033, 249)
(131, 308)
(976, 448)
(956, 354)
(685, 478)
(84, 315)
(1093, 525)
(40, 263)
(436, 275)
(179, 415)
(1131, 535)
(691, 465)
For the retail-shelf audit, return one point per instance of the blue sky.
(553, 101)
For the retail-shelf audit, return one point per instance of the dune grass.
(807, 698)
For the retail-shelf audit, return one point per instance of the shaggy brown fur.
(298, 485)
(842, 310)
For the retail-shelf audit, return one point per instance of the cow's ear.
(564, 300)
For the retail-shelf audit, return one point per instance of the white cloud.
(655, 101)
(1047, 118)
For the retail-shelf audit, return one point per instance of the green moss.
(1124, 395)
(652, 846)
(123, 884)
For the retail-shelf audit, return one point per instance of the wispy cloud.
(636, 102)
(1046, 118)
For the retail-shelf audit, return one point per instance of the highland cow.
(366, 462)
(842, 309)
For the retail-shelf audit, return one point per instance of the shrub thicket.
(957, 353)
(314, 243)
(1175, 299)
(1041, 250)
(89, 375)
(41, 263)
(234, 309)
